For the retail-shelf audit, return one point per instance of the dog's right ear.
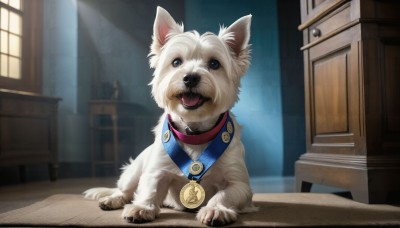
(164, 27)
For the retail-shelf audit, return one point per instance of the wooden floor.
(20, 195)
(16, 196)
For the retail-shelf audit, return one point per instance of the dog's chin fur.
(153, 179)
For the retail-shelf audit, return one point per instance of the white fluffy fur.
(153, 180)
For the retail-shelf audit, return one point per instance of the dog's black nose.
(191, 80)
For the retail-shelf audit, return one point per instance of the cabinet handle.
(316, 32)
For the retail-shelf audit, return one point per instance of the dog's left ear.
(237, 35)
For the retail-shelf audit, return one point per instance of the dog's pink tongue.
(190, 99)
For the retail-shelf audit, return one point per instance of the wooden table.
(109, 116)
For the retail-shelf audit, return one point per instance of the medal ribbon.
(208, 157)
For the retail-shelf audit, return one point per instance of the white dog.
(196, 81)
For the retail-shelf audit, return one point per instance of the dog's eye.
(177, 62)
(214, 64)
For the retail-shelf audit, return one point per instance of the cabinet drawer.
(331, 22)
(10, 106)
(99, 109)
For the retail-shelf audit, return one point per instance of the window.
(20, 45)
(11, 36)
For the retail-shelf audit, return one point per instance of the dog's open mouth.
(192, 100)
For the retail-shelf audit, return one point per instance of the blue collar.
(195, 170)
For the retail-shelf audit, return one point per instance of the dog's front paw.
(216, 216)
(111, 203)
(135, 213)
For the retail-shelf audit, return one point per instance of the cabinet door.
(332, 87)
(25, 138)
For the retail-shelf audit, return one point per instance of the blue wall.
(292, 82)
(259, 109)
(61, 78)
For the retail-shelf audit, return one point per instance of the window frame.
(31, 50)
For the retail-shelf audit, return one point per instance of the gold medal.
(196, 168)
(192, 195)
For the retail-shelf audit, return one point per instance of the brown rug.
(276, 210)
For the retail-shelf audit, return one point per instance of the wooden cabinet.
(28, 130)
(111, 129)
(352, 80)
